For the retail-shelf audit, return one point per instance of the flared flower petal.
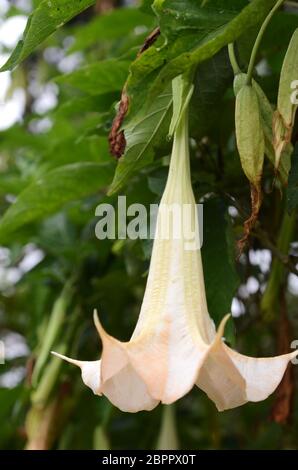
(90, 371)
(166, 359)
(231, 379)
(128, 391)
(125, 389)
(121, 382)
(262, 375)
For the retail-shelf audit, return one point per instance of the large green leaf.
(115, 24)
(45, 19)
(193, 33)
(218, 260)
(51, 191)
(142, 134)
(211, 81)
(83, 104)
(98, 78)
(147, 130)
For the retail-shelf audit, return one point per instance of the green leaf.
(218, 260)
(142, 134)
(204, 110)
(212, 79)
(146, 7)
(193, 33)
(52, 191)
(45, 19)
(112, 25)
(86, 103)
(98, 78)
(292, 191)
(8, 398)
(282, 25)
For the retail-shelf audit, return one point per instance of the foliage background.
(55, 168)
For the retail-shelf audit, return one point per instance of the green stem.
(233, 59)
(258, 41)
(269, 303)
(168, 439)
(54, 328)
(46, 386)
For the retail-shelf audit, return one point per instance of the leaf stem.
(233, 59)
(258, 41)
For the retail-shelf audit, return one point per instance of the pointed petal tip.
(96, 317)
(97, 323)
(67, 359)
(222, 325)
(100, 329)
(90, 371)
(58, 355)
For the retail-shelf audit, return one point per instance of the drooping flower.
(175, 344)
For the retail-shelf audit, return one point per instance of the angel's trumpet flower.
(175, 344)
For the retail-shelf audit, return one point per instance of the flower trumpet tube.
(175, 344)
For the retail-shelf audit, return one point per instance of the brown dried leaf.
(256, 201)
(117, 140)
